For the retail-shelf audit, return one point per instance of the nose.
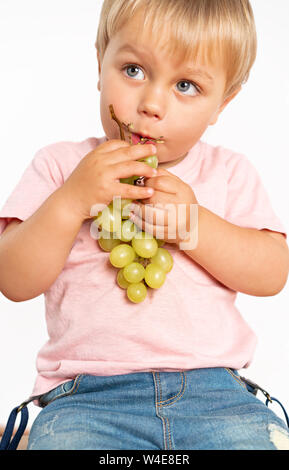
(153, 102)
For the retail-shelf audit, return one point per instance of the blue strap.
(253, 388)
(284, 411)
(6, 442)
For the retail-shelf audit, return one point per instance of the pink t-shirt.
(190, 322)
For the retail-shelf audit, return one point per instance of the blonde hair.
(207, 29)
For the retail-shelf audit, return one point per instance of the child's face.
(156, 93)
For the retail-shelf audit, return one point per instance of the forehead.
(166, 41)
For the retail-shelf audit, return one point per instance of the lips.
(137, 138)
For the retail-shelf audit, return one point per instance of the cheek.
(186, 135)
(192, 127)
(112, 95)
(114, 91)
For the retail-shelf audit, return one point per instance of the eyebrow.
(189, 70)
(200, 72)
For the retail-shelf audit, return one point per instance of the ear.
(214, 119)
(99, 70)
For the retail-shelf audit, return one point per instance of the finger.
(111, 145)
(129, 191)
(153, 214)
(133, 152)
(163, 183)
(128, 169)
(161, 232)
(160, 197)
(163, 172)
(157, 231)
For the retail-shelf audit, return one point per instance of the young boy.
(161, 374)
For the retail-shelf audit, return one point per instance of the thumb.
(163, 172)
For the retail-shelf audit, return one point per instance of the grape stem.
(129, 127)
(113, 116)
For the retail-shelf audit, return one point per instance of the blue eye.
(186, 87)
(134, 70)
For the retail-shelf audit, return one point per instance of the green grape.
(128, 231)
(110, 219)
(133, 255)
(129, 180)
(122, 282)
(107, 244)
(144, 245)
(155, 276)
(125, 208)
(142, 261)
(121, 255)
(134, 272)
(125, 202)
(136, 292)
(152, 161)
(164, 259)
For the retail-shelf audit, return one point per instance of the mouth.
(134, 137)
(145, 139)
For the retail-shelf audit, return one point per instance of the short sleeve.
(40, 179)
(248, 203)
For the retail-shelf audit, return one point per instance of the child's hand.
(171, 212)
(95, 181)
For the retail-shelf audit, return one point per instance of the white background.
(49, 93)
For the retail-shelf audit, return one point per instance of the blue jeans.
(196, 409)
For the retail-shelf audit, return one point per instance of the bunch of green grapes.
(141, 260)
